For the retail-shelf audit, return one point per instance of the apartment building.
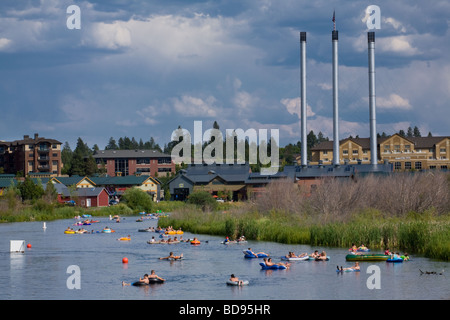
(404, 153)
(31, 156)
(132, 162)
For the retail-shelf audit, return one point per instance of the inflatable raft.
(348, 270)
(249, 254)
(296, 259)
(394, 260)
(274, 267)
(236, 283)
(367, 257)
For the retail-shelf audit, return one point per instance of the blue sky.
(142, 68)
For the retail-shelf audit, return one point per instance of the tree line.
(81, 162)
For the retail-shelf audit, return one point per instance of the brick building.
(132, 162)
(31, 156)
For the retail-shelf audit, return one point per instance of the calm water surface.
(41, 271)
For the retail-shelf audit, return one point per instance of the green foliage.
(137, 200)
(29, 190)
(202, 199)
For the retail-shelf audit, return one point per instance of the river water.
(41, 272)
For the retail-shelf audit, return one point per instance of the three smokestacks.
(335, 67)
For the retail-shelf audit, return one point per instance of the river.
(41, 272)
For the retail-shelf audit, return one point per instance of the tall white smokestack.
(303, 97)
(334, 38)
(372, 105)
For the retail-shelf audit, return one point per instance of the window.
(387, 148)
(442, 150)
(164, 170)
(418, 165)
(365, 151)
(355, 151)
(167, 160)
(345, 151)
(121, 165)
(407, 165)
(54, 146)
(398, 165)
(444, 167)
(325, 152)
(397, 148)
(407, 148)
(143, 161)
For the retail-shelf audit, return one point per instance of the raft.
(394, 260)
(145, 230)
(296, 259)
(367, 257)
(274, 267)
(249, 254)
(236, 283)
(174, 232)
(348, 270)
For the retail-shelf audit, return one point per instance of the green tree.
(30, 190)
(202, 199)
(66, 158)
(50, 194)
(137, 200)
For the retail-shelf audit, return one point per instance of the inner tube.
(236, 283)
(395, 260)
(274, 267)
(249, 254)
(124, 239)
(349, 270)
(195, 242)
(150, 281)
(318, 259)
(69, 232)
(296, 259)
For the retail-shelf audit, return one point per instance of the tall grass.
(407, 212)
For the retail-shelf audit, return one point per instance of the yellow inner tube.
(69, 232)
(124, 239)
(174, 232)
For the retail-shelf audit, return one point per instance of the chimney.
(372, 105)
(336, 154)
(303, 97)
(36, 136)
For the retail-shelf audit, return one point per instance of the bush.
(203, 199)
(137, 200)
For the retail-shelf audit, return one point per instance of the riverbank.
(427, 235)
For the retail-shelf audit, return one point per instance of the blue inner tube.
(249, 254)
(395, 260)
(349, 270)
(274, 267)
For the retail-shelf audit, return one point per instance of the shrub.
(202, 199)
(137, 200)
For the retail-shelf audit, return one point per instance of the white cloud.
(293, 107)
(394, 23)
(108, 35)
(4, 43)
(195, 107)
(393, 101)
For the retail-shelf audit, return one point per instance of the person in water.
(269, 263)
(153, 275)
(322, 256)
(171, 256)
(236, 279)
(256, 254)
(355, 267)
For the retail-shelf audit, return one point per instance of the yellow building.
(405, 153)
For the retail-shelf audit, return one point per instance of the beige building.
(404, 153)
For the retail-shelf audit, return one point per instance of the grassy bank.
(41, 211)
(416, 235)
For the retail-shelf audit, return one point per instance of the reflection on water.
(41, 271)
